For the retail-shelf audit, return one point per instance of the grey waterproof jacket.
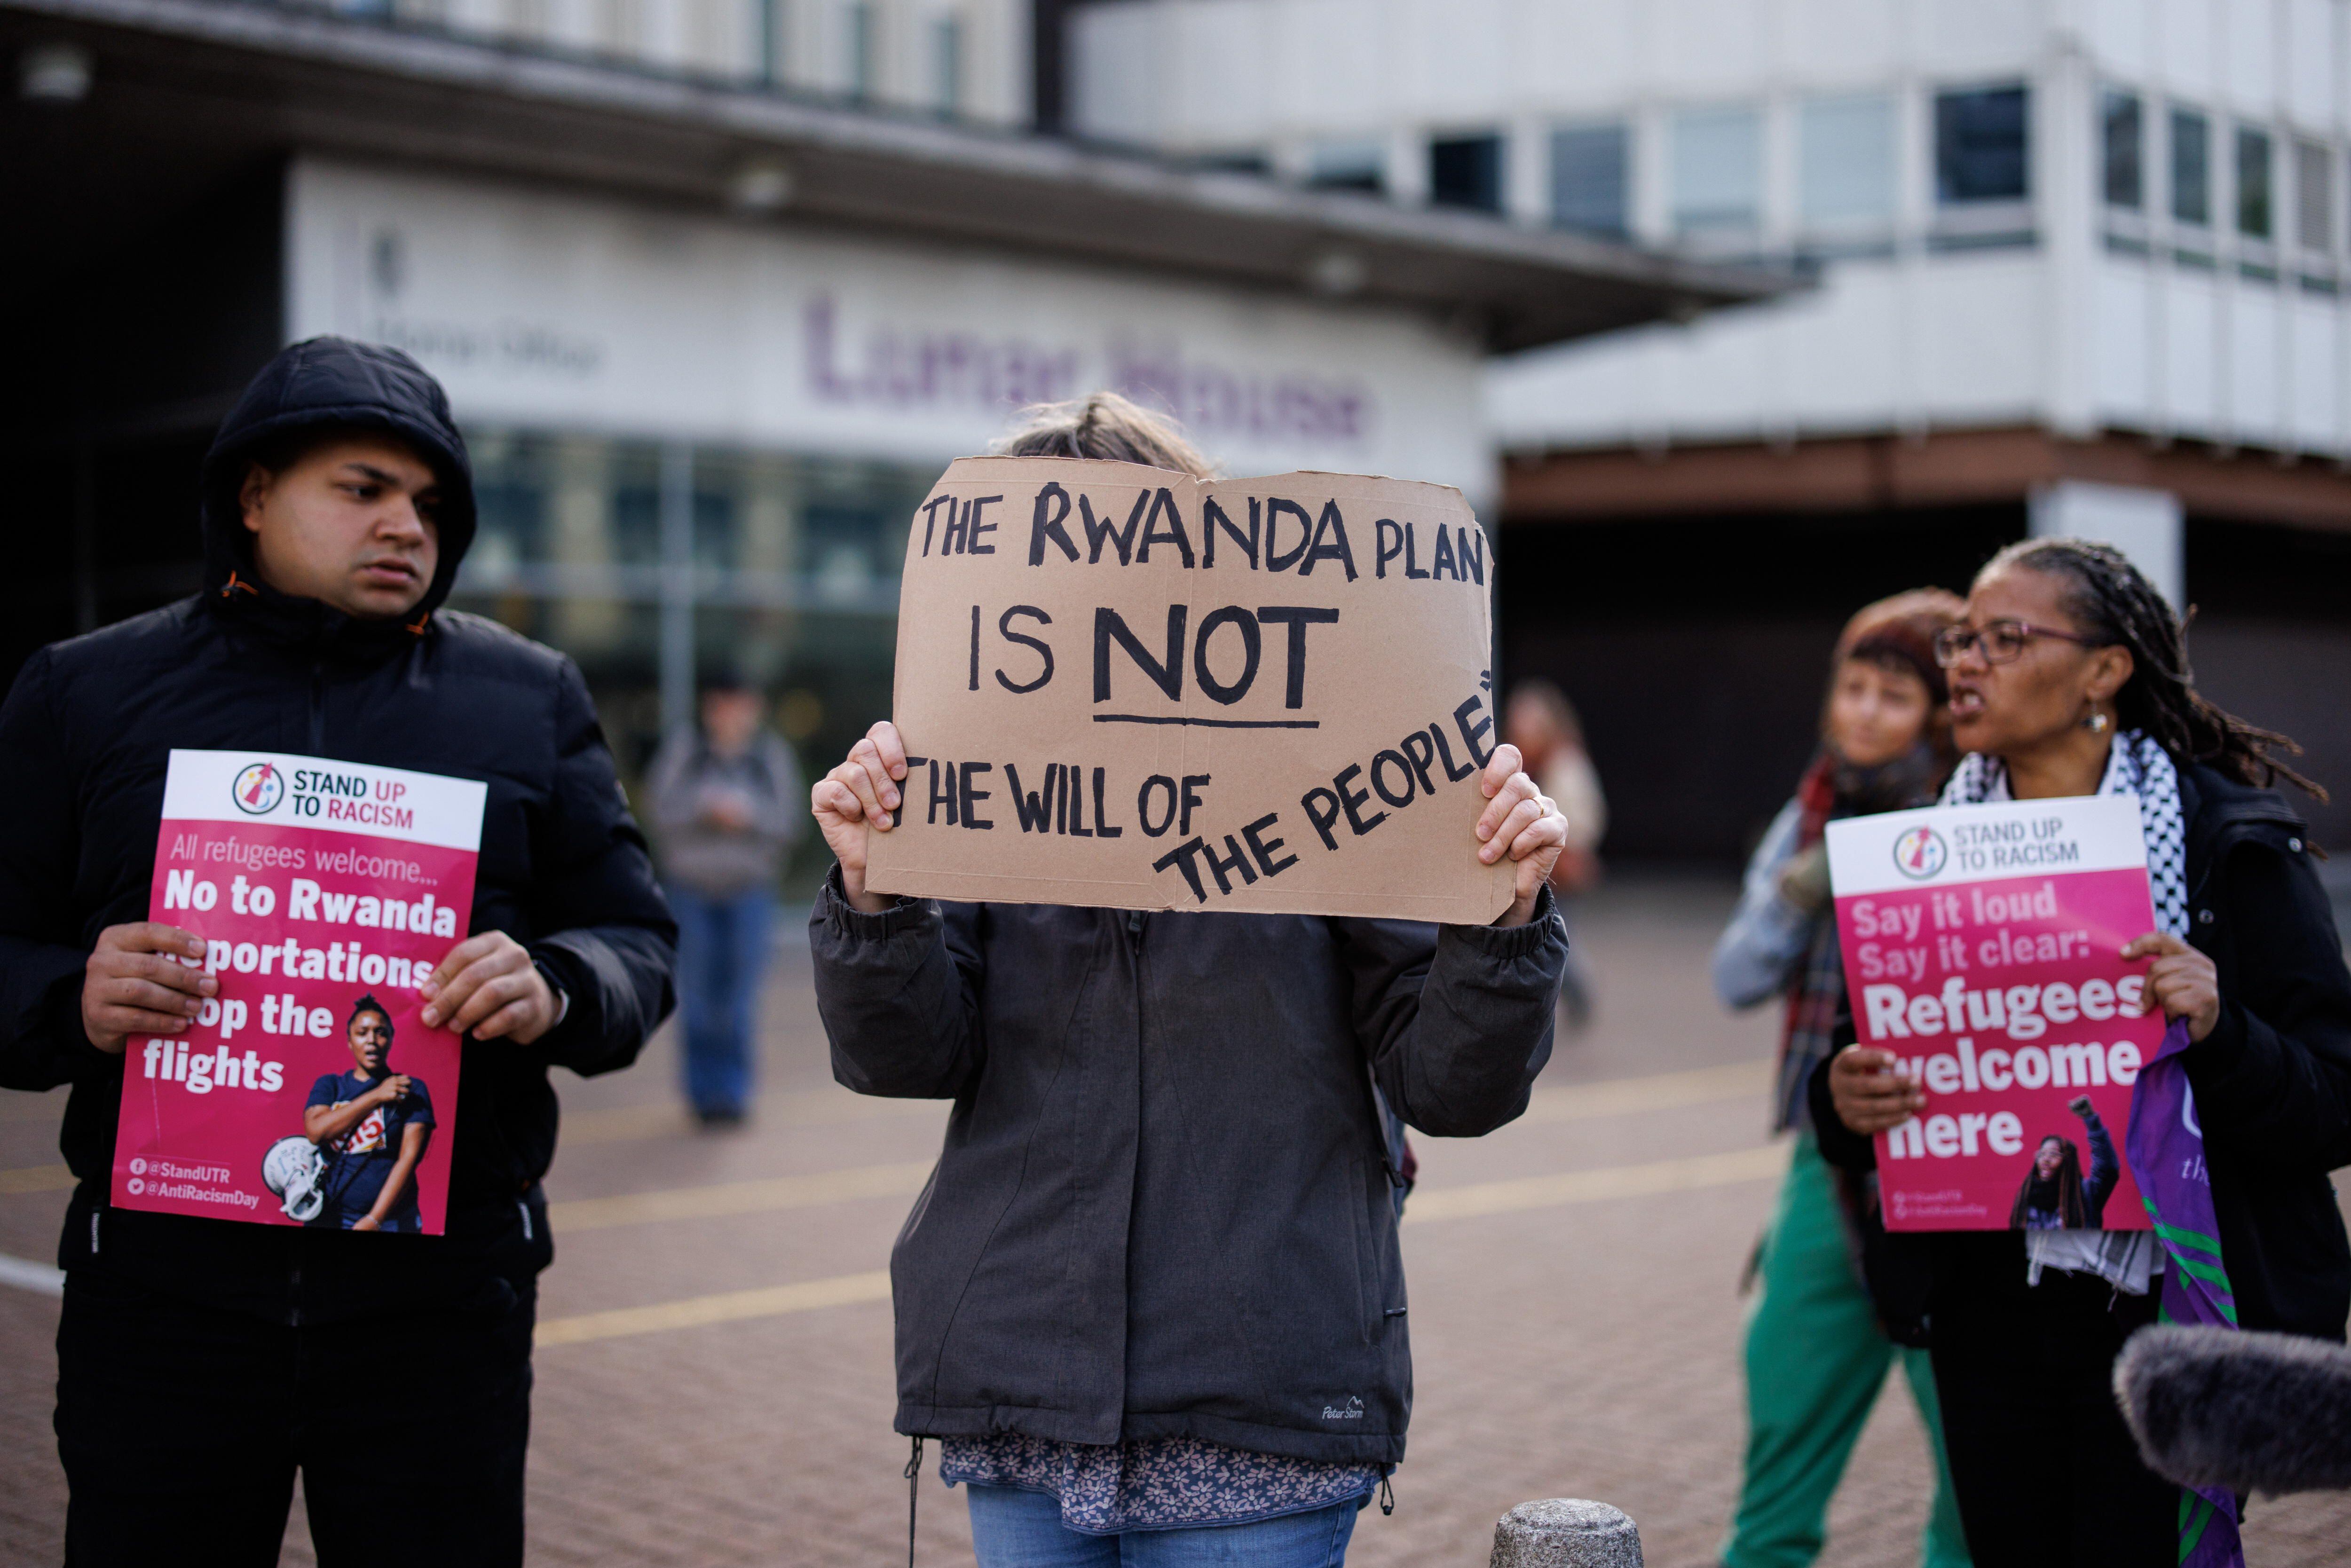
(1163, 1209)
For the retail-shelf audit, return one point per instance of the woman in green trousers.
(1817, 1348)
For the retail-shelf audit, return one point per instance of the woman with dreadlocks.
(2069, 675)
(2054, 1195)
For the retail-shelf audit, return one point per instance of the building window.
(2123, 143)
(946, 64)
(2255, 217)
(1847, 160)
(1718, 169)
(1348, 166)
(1590, 178)
(1982, 143)
(2313, 185)
(865, 62)
(771, 19)
(1466, 172)
(2192, 167)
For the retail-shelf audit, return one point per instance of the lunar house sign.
(1121, 686)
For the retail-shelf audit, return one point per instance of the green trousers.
(1815, 1361)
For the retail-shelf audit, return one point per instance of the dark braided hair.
(2073, 1210)
(2117, 604)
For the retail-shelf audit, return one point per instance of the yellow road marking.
(1664, 1092)
(793, 1108)
(726, 1307)
(1608, 1182)
(739, 1196)
(1609, 1097)
(1445, 1203)
(35, 1178)
(822, 1107)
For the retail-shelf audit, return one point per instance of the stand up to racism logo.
(1920, 853)
(257, 789)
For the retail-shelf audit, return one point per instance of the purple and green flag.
(2166, 1145)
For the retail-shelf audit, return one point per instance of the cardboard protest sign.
(1983, 948)
(325, 893)
(1130, 689)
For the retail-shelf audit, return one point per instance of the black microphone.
(2250, 1412)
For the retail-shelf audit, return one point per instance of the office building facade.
(2081, 268)
(716, 290)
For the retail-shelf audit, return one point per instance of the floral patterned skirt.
(1157, 1483)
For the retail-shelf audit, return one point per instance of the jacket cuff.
(2222, 1051)
(1518, 941)
(1840, 1145)
(573, 985)
(834, 908)
(59, 1012)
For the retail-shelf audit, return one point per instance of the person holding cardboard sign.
(2069, 676)
(1151, 1301)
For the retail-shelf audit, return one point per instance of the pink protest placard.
(1982, 946)
(309, 1091)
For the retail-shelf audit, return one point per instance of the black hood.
(335, 383)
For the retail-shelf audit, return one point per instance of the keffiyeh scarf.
(2135, 765)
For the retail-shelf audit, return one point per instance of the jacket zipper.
(1135, 929)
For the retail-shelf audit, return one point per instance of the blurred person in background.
(1151, 1301)
(727, 809)
(1543, 725)
(203, 1363)
(1817, 1349)
(2069, 676)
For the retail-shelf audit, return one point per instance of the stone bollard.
(1566, 1533)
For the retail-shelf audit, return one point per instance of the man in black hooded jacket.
(202, 1362)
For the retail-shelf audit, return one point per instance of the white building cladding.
(2114, 215)
(968, 59)
(2082, 269)
(552, 309)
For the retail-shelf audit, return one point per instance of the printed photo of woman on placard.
(2054, 1195)
(372, 1124)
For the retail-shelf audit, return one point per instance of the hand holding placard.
(488, 988)
(288, 1062)
(1122, 686)
(1521, 823)
(137, 982)
(2181, 983)
(1988, 958)
(1871, 1095)
(862, 791)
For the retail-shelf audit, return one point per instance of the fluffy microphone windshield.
(2252, 1412)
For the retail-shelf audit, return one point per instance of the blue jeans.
(1011, 1528)
(722, 955)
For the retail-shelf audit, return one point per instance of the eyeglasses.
(2002, 642)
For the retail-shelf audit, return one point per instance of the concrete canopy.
(192, 88)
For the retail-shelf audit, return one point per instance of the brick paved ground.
(1584, 1348)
